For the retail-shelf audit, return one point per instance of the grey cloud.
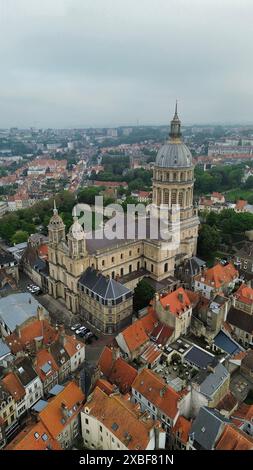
(110, 63)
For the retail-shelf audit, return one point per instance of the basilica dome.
(174, 153)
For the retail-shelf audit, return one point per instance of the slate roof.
(25, 371)
(207, 428)
(56, 389)
(6, 259)
(17, 308)
(209, 381)
(246, 251)
(240, 319)
(227, 344)
(129, 233)
(199, 358)
(101, 285)
(194, 265)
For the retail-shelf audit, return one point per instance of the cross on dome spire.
(175, 126)
(175, 115)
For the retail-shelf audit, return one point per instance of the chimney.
(180, 297)
(64, 411)
(167, 308)
(40, 313)
(115, 354)
(18, 331)
(210, 368)
(157, 435)
(162, 392)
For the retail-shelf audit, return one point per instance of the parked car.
(76, 326)
(81, 330)
(88, 334)
(82, 334)
(33, 289)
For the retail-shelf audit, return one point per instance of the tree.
(249, 183)
(19, 237)
(208, 241)
(87, 195)
(143, 293)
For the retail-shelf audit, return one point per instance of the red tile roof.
(117, 370)
(182, 427)
(43, 251)
(52, 417)
(241, 204)
(154, 389)
(135, 336)
(30, 331)
(122, 418)
(151, 353)
(218, 275)
(149, 321)
(234, 439)
(45, 357)
(72, 345)
(228, 403)
(245, 412)
(105, 361)
(34, 437)
(244, 294)
(112, 184)
(178, 301)
(14, 386)
(106, 386)
(162, 333)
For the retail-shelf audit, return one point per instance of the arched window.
(113, 274)
(173, 197)
(166, 267)
(166, 197)
(180, 198)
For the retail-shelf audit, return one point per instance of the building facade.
(127, 259)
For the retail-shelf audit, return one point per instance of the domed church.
(127, 261)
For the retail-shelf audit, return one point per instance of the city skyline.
(107, 65)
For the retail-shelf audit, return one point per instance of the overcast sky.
(68, 63)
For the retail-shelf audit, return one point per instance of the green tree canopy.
(143, 293)
(19, 237)
(208, 241)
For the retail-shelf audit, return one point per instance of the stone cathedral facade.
(128, 261)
